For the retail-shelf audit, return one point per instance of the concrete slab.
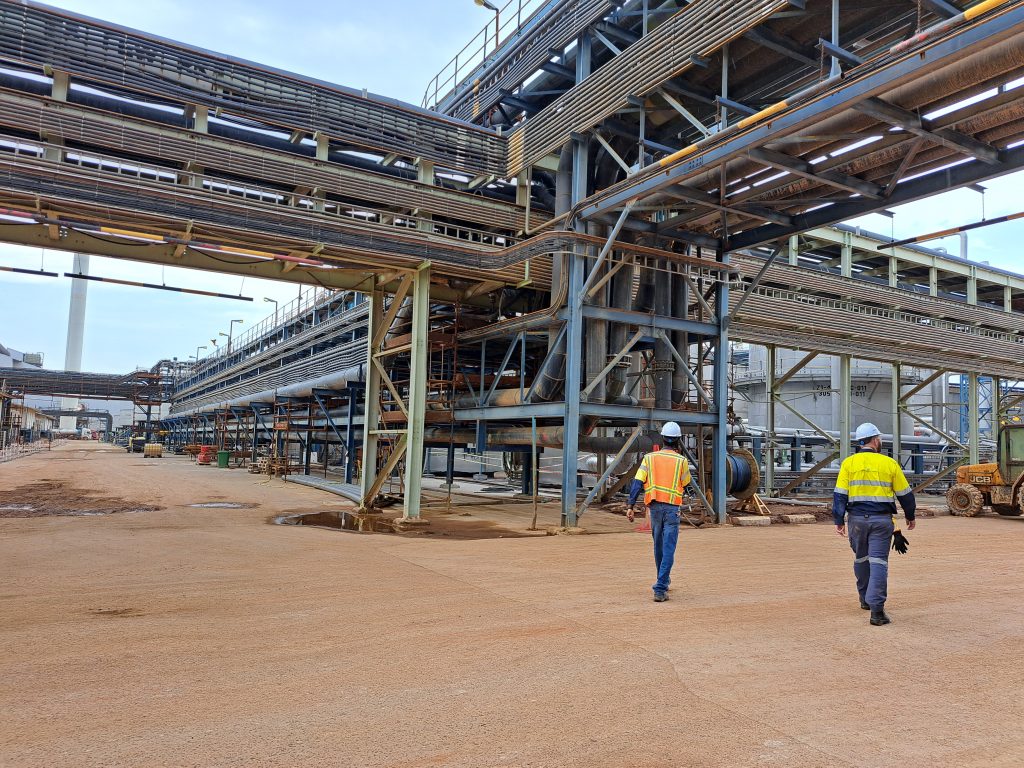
(750, 520)
(799, 519)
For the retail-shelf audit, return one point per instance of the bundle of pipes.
(697, 30)
(801, 324)
(853, 289)
(115, 57)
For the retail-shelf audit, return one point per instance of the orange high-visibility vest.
(665, 475)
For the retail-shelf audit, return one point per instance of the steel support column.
(845, 394)
(897, 430)
(574, 326)
(417, 392)
(973, 418)
(769, 442)
(721, 396)
(371, 407)
(573, 385)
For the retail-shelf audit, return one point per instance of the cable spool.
(742, 473)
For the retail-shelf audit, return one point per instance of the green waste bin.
(222, 459)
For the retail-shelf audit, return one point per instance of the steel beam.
(806, 170)
(645, 320)
(913, 123)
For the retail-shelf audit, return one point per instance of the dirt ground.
(204, 636)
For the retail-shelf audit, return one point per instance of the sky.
(354, 44)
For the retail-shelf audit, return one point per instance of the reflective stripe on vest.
(666, 471)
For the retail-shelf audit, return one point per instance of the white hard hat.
(671, 429)
(866, 431)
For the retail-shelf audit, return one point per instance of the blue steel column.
(574, 333)
(721, 387)
(573, 364)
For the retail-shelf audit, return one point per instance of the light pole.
(274, 302)
(231, 329)
(197, 353)
(497, 21)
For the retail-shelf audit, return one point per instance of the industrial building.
(553, 253)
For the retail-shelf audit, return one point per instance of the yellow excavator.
(999, 485)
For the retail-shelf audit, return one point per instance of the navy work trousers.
(665, 530)
(870, 536)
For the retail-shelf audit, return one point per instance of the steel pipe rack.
(36, 36)
(176, 147)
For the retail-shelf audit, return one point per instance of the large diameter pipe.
(941, 28)
(337, 380)
(547, 437)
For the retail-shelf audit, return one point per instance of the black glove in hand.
(900, 543)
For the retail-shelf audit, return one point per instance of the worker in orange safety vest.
(663, 477)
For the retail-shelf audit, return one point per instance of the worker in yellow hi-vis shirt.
(663, 477)
(867, 489)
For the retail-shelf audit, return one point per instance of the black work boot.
(865, 606)
(879, 617)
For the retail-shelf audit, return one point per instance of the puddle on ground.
(222, 505)
(339, 520)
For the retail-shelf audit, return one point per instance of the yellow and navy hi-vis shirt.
(663, 476)
(870, 483)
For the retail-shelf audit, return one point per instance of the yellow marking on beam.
(132, 233)
(980, 8)
(774, 109)
(677, 155)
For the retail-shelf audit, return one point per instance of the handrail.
(474, 53)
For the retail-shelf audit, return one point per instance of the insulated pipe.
(663, 360)
(595, 341)
(337, 380)
(547, 437)
(618, 334)
(550, 382)
(742, 470)
(681, 339)
(941, 28)
(236, 133)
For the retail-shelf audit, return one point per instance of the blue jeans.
(870, 536)
(665, 531)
